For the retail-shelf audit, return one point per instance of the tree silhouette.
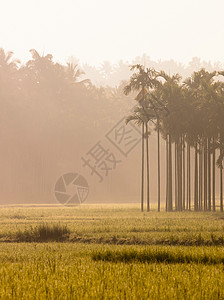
(142, 81)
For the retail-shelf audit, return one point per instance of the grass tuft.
(43, 233)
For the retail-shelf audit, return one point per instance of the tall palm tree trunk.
(209, 175)
(196, 179)
(143, 155)
(221, 187)
(200, 176)
(180, 175)
(205, 174)
(147, 163)
(158, 148)
(189, 166)
(167, 172)
(170, 206)
(176, 176)
(213, 175)
(187, 177)
(183, 174)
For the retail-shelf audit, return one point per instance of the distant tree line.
(43, 88)
(189, 116)
(108, 74)
(49, 117)
(47, 107)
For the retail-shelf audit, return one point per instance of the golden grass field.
(110, 252)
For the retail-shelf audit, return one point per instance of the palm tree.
(171, 98)
(188, 114)
(8, 71)
(220, 166)
(220, 140)
(141, 117)
(141, 81)
(7, 62)
(201, 93)
(138, 118)
(158, 108)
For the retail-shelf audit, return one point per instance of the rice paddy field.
(110, 252)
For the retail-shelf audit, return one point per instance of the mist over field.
(52, 115)
(62, 75)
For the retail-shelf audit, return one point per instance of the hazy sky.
(98, 30)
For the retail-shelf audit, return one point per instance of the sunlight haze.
(112, 149)
(95, 31)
